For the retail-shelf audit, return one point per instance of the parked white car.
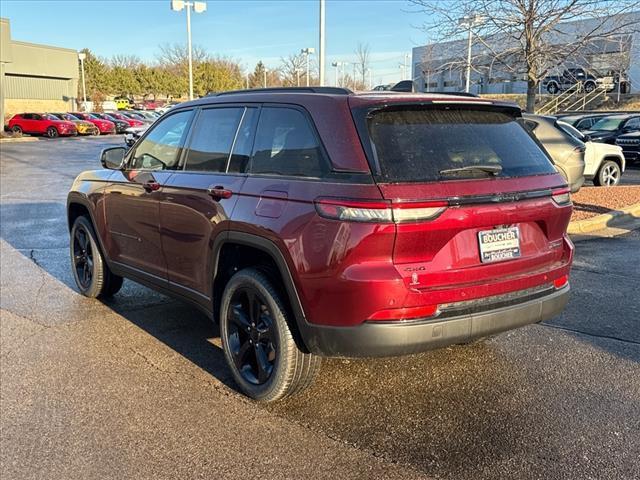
(604, 164)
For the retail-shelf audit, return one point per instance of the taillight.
(562, 196)
(409, 313)
(561, 281)
(378, 211)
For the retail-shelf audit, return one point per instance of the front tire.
(552, 88)
(52, 132)
(589, 87)
(90, 272)
(257, 341)
(608, 175)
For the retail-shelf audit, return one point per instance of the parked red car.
(131, 121)
(317, 222)
(105, 126)
(41, 124)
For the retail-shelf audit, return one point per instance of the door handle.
(219, 192)
(151, 186)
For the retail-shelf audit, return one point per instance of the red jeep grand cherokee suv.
(316, 222)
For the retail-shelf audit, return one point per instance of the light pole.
(321, 49)
(297, 77)
(370, 81)
(337, 66)
(404, 70)
(198, 7)
(306, 52)
(470, 21)
(81, 57)
(264, 78)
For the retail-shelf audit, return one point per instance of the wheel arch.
(275, 266)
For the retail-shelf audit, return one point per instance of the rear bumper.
(372, 339)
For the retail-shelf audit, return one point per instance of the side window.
(244, 141)
(25, 116)
(160, 149)
(212, 139)
(633, 124)
(35, 116)
(286, 145)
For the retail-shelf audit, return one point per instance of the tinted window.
(212, 139)
(286, 145)
(160, 148)
(244, 141)
(418, 144)
(634, 123)
(608, 123)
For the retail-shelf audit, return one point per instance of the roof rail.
(325, 90)
(459, 94)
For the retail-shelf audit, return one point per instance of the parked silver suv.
(566, 151)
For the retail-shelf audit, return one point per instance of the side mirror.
(112, 158)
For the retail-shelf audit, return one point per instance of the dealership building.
(35, 78)
(442, 66)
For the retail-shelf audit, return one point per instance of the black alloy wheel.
(82, 257)
(252, 342)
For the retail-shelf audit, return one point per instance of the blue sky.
(244, 30)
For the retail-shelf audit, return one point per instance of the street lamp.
(306, 52)
(81, 57)
(337, 66)
(470, 21)
(264, 78)
(198, 7)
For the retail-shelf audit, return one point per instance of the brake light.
(378, 211)
(562, 196)
(561, 281)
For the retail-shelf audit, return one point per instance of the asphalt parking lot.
(138, 388)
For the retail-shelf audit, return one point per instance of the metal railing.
(552, 106)
(581, 103)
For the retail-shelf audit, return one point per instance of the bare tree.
(362, 60)
(530, 37)
(176, 56)
(294, 70)
(123, 60)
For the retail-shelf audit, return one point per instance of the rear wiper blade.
(491, 169)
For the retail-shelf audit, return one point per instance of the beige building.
(35, 78)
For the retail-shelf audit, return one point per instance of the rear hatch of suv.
(478, 208)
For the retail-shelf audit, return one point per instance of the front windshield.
(609, 124)
(48, 116)
(68, 116)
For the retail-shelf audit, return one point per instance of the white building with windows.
(442, 66)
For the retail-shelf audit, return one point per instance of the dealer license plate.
(499, 244)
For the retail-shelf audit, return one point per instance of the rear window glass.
(418, 145)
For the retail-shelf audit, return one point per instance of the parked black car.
(582, 122)
(121, 125)
(608, 129)
(630, 143)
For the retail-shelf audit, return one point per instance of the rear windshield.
(419, 144)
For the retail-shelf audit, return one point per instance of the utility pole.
(321, 49)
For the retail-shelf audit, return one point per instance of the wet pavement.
(137, 387)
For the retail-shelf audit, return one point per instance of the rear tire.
(257, 341)
(90, 272)
(589, 87)
(17, 129)
(52, 132)
(608, 174)
(552, 88)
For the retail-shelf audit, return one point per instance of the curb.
(600, 222)
(18, 139)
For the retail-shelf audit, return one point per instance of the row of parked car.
(595, 147)
(54, 124)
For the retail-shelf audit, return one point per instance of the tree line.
(167, 76)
